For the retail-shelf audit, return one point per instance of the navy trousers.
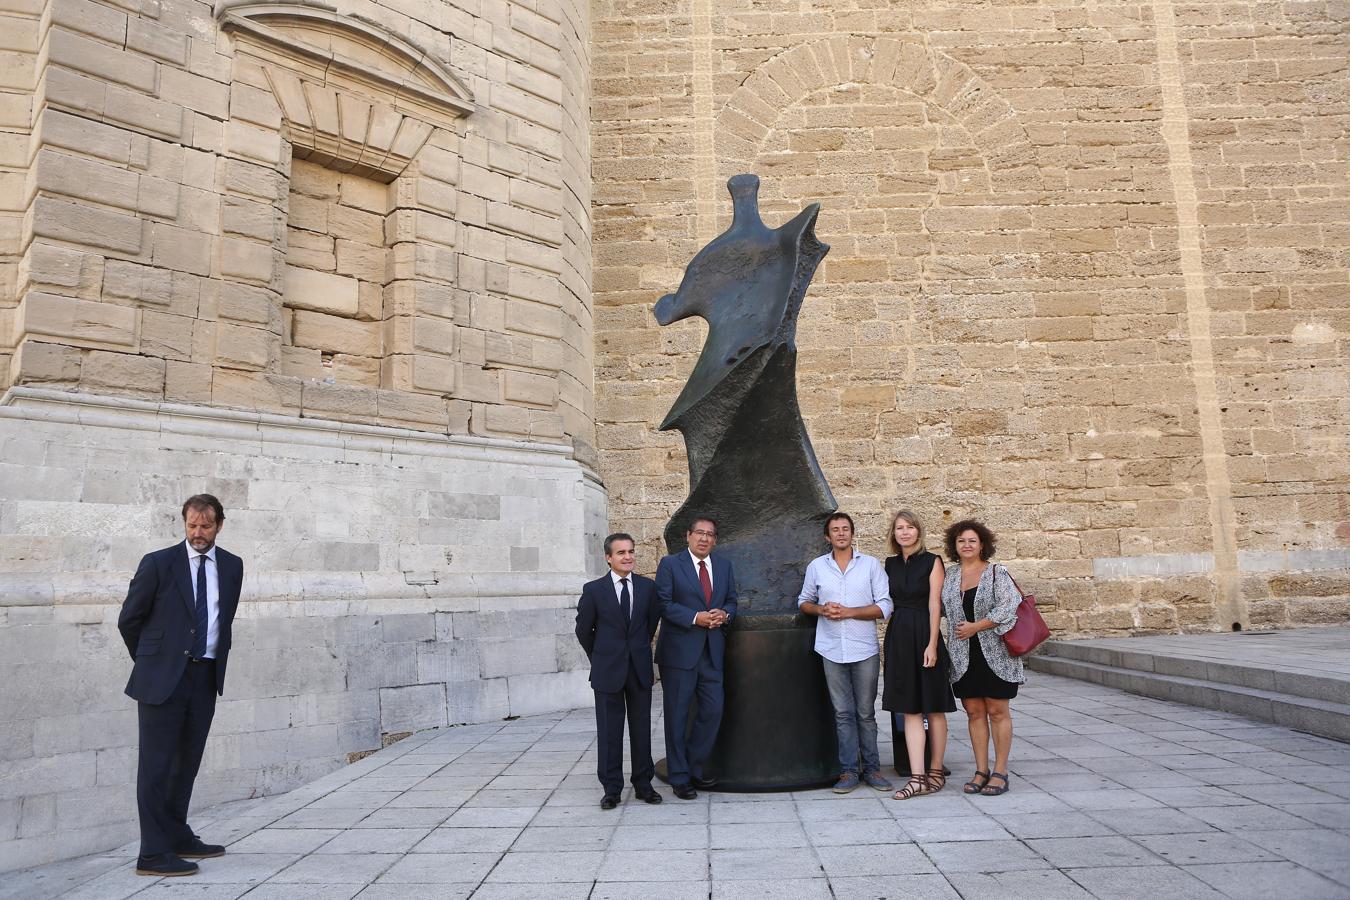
(173, 736)
(689, 744)
(612, 708)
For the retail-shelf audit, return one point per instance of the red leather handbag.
(1030, 630)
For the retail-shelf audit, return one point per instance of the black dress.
(980, 680)
(908, 687)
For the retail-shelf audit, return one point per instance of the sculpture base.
(777, 730)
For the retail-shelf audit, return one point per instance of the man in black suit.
(698, 596)
(176, 623)
(616, 618)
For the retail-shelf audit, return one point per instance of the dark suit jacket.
(681, 642)
(159, 614)
(610, 642)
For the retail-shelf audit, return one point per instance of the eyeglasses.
(706, 534)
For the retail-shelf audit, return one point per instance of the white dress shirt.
(696, 561)
(862, 583)
(708, 565)
(212, 594)
(615, 578)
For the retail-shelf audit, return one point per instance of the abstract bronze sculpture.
(752, 468)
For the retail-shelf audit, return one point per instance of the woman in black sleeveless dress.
(916, 681)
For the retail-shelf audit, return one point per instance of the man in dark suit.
(616, 618)
(176, 623)
(698, 596)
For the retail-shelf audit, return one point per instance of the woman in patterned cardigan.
(980, 602)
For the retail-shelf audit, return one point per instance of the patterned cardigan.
(996, 599)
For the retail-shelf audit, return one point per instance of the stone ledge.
(95, 410)
(1117, 567)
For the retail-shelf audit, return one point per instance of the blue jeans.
(853, 693)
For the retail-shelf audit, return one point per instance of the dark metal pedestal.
(777, 730)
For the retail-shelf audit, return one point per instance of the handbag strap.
(1021, 593)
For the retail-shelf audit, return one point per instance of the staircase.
(1299, 679)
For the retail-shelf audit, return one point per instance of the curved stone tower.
(331, 262)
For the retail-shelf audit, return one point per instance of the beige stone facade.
(1088, 278)
(380, 274)
(367, 212)
(331, 262)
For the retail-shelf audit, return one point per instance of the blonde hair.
(912, 519)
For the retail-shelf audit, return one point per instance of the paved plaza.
(1113, 795)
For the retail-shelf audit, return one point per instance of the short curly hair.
(987, 540)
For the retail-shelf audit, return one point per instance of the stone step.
(1288, 678)
(1314, 715)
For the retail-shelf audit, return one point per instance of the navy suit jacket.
(682, 642)
(159, 614)
(610, 642)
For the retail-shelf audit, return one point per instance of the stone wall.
(371, 212)
(394, 581)
(331, 261)
(1087, 279)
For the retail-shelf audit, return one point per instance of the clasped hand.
(966, 630)
(835, 611)
(712, 618)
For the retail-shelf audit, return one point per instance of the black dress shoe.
(195, 849)
(165, 865)
(647, 796)
(608, 802)
(704, 783)
(685, 792)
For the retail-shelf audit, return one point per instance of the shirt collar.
(695, 560)
(192, 552)
(857, 558)
(615, 577)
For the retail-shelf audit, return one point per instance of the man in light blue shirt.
(849, 592)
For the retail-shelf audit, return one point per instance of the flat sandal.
(974, 787)
(993, 790)
(936, 781)
(917, 786)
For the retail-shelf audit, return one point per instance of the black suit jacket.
(610, 642)
(159, 614)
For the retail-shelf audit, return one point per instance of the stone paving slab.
(1113, 796)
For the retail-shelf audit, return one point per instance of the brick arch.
(752, 111)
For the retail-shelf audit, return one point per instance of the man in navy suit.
(176, 623)
(698, 596)
(616, 619)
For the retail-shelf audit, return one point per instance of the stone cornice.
(439, 89)
(96, 410)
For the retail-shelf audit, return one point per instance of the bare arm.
(934, 614)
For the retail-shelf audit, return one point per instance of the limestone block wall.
(1087, 279)
(394, 581)
(365, 211)
(330, 260)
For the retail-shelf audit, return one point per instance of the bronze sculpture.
(751, 467)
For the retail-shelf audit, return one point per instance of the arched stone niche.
(907, 65)
(353, 95)
(328, 114)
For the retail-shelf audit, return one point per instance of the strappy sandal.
(937, 780)
(973, 786)
(992, 790)
(917, 786)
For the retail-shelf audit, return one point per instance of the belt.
(200, 659)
